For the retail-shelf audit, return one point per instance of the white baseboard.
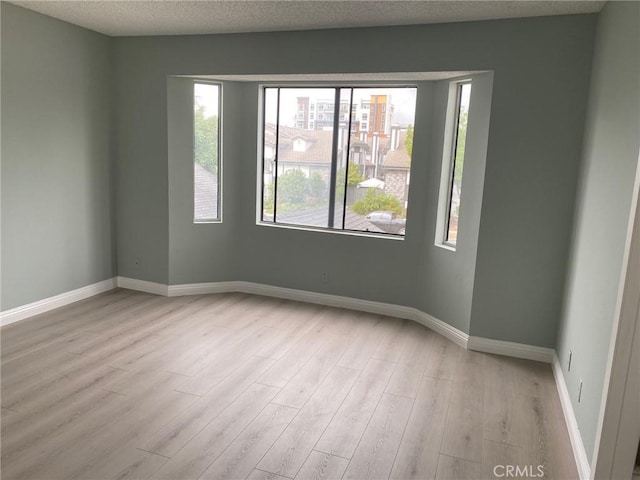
(447, 331)
(143, 286)
(202, 288)
(579, 453)
(379, 308)
(41, 306)
(511, 349)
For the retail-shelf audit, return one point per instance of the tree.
(376, 200)
(461, 143)
(355, 177)
(293, 186)
(267, 201)
(205, 140)
(317, 186)
(408, 140)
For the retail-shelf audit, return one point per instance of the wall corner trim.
(579, 452)
(511, 349)
(41, 306)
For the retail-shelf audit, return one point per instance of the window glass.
(206, 152)
(348, 171)
(457, 162)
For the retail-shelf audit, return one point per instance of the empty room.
(283, 239)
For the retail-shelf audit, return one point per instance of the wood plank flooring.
(127, 385)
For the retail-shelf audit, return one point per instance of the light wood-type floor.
(234, 386)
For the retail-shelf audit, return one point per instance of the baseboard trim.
(41, 306)
(511, 349)
(143, 286)
(379, 308)
(447, 331)
(202, 288)
(579, 452)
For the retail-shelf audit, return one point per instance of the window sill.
(206, 222)
(350, 233)
(444, 246)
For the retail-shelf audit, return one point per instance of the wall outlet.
(324, 277)
(580, 391)
(570, 357)
(137, 262)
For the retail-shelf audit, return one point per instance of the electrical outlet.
(137, 262)
(324, 277)
(570, 357)
(580, 391)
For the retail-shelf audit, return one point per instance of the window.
(206, 152)
(340, 180)
(454, 161)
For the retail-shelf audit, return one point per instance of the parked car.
(387, 221)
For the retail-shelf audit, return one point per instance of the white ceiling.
(337, 78)
(177, 17)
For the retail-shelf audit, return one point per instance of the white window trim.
(204, 221)
(448, 157)
(260, 134)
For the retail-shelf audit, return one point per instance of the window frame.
(219, 218)
(262, 87)
(447, 179)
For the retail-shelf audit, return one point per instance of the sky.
(403, 99)
(207, 95)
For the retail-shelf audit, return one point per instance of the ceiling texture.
(176, 17)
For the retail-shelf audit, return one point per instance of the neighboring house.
(377, 156)
(396, 166)
(310, 151)
(206, 193)
(306, 150)
(361, 156)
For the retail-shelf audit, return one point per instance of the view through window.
(463, 98)
(338, 158)
(206, 152)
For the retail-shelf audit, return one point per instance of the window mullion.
(334, 158)
(346, 168)
(452, 168)
(275, 159)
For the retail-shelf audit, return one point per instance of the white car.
(387, 221)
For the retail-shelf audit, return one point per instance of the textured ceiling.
(164, 17)
(336, 78)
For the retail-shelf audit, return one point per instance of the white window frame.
(218, 219)
(448, 163)
(260, 160)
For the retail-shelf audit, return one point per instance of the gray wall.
(202, 252)
(609, 162)
(537, 119)
(56, 182)
(445, 271)
(513, 290)
(379, 269)
(541, 68)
